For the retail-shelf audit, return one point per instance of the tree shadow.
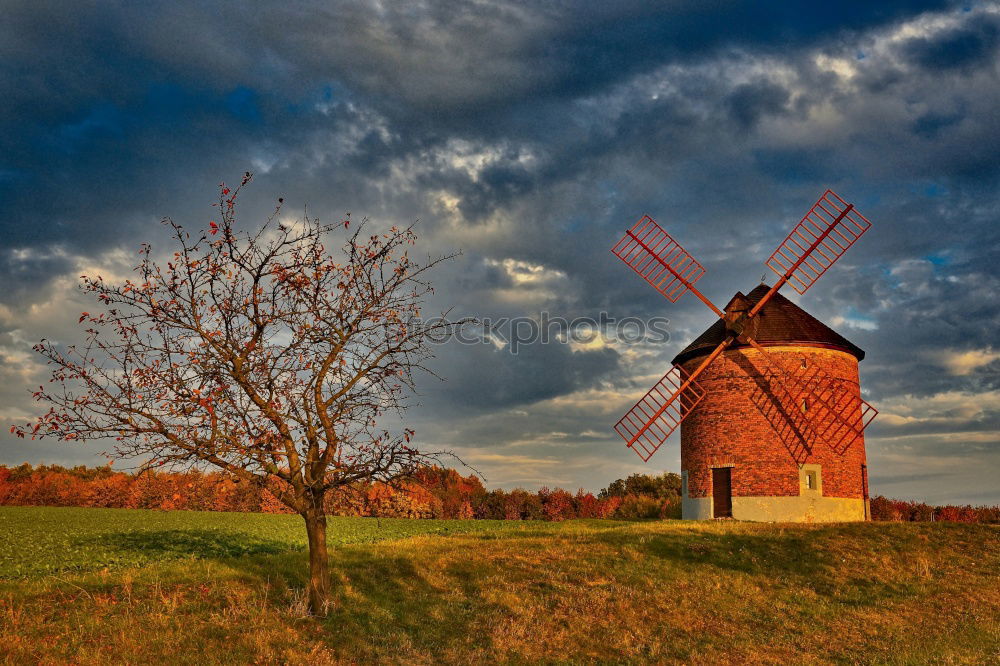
(800, 556)
(429, 599)
(203, 544)
(748, 553)
(383, 602)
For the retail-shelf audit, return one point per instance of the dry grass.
(585, 591)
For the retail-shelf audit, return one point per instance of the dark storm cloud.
(749, 102)
(81, 80)
(535, 132)
(118, 92)
(966, 46)
(485, 378)
(22, 273)
(929, 125)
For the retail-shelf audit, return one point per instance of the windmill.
(804, 392)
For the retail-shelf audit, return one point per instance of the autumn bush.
(434, 492)
(644, 496)
(885, 509)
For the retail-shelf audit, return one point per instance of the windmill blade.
(650, 422)
(659, 259)
(822, 237)
(834, 414)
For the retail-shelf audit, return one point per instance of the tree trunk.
(319, 562)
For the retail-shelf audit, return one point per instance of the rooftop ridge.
(780, 322)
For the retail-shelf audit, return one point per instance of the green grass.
(577, 592)
(40, 540)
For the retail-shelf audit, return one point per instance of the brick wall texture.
(744, 423)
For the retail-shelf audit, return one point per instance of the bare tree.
(258, 352)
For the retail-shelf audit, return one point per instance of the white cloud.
(531, 283)
(524, 273)
(854, 322)
(962, 363)
(948, 407)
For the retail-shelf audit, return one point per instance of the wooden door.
(722, 492)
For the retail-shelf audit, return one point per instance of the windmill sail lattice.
(835, 417)
(822, 237)
(658, 258)
(649, 423)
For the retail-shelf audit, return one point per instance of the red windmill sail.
(658, 258)
(837, 418)
(823, 236)
(647, 426)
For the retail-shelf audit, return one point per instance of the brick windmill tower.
(769, 396)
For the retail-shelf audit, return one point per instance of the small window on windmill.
(805, 405)
(811, 480)
(805, 363)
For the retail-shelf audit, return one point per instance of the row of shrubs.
(883, 508)
(434, 493)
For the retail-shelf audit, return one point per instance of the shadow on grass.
(425, 600)
(805, 558)
(385, 604)
(204, 544)
(753, 554)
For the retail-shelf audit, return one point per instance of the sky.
(529, 135)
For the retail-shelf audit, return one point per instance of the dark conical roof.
(780, 322)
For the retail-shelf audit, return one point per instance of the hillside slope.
(581, 591)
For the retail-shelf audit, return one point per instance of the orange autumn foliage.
(434, 492)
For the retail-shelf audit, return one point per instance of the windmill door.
(722, 492)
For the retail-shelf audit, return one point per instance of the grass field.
(226, 588)
(55, 539)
